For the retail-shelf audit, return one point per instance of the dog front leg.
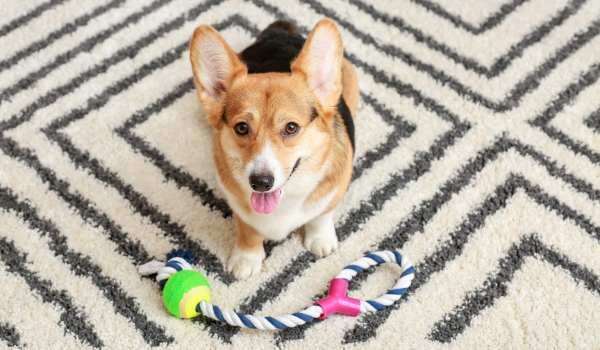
(248, 252)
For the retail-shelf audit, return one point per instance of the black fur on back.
(275, 49)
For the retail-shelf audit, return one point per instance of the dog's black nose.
(261, 182)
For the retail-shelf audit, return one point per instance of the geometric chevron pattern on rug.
(478, 155)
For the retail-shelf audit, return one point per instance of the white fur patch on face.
(266, 162)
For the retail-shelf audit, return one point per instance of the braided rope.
(378, 258)
(163, 271)
(260, 322)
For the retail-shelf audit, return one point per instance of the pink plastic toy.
(337, 300)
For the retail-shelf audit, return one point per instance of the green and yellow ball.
(183, 291)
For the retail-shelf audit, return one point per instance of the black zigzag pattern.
(68, 127)
(9, 335)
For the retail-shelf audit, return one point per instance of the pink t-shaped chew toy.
(337, 300)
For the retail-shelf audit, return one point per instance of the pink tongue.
(265, 202)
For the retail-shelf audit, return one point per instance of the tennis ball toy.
(183, 291)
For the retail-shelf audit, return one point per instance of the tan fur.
(213, 105)
(302, 63)
(277, 86)
(225, 173)
(350, 87)
(340, 174)
(267, 102)
(247, 238)
(287, 101)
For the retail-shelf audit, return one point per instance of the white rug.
(478, 155)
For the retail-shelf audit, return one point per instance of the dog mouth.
(268, 202)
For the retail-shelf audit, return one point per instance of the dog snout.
(261, 182)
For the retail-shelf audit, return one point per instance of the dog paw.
(320, 238)
(244, 264)
(321, 245)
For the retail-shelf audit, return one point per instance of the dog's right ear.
(215, 65)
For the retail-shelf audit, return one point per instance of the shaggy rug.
(478, 156)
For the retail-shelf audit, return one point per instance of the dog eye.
(241, 128)
(291, 128)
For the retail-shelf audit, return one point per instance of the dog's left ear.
(320, 62)
(215, 66)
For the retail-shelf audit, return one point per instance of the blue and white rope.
(259, 322)
(307, 315)
(377, 258)
(164, 270)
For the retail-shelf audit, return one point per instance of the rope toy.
(186, 292)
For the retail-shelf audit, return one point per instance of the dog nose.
(261, 182)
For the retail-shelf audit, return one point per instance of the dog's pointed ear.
(215, 65)
(320, 62)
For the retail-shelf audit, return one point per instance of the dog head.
(268, 125)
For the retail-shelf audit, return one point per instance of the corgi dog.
(282, 113)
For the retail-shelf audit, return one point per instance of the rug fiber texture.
(477, 155)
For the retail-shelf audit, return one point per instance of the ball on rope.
(186, 292)
(183, 291)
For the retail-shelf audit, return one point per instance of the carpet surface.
(478, 155)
